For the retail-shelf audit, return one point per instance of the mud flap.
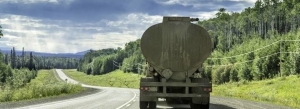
(200, 100)
(147, 98)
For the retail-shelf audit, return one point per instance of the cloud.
(77, 25)
(67, 37)
(96, 10)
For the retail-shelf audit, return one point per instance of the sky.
(70, 26)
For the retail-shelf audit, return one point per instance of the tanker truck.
(175, 51)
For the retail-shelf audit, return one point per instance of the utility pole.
(116, 64)
(140, 69)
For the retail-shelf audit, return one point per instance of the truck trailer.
(175, 51)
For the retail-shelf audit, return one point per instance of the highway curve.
(123, 98)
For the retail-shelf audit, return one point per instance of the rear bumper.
(187, 92)
(175, 84)
(162, 95)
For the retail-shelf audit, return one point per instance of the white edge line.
(84, 85)
(59, 101)
(127, 101)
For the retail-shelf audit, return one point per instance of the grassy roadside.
(44, 85)
(282, 91)
(114, 79)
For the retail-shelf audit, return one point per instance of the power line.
(247, 52)
(251, 60)
(255, 50)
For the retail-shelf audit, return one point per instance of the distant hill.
(69, 55)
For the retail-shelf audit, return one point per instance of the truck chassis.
(196, 91)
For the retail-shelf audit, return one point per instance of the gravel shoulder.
(218, 102)
(16, 104)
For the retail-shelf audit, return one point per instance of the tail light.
(144, 88)
(152, 89)
(208, 89)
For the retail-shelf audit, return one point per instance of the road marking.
(62, 74)
(128, 101)
(90, 86)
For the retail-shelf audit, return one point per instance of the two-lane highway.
(124, 98)
(107, 98)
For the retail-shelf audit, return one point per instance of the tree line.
(265, 19)
(238, 35)
(38, 62)
(103, 61)
(18, 70)
(235, 36)
(11, 78)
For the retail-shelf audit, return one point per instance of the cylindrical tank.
(176, 45)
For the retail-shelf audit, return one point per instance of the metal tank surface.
(176, 45)
(175, 51)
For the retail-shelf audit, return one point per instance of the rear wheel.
(205, 106)
(148, 105)
(152, 105)
(195, 106)
(199, 106)
(143, 105)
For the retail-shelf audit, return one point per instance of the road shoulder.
(23, 103)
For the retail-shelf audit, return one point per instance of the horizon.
(20, 50)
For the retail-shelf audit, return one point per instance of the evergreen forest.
(18, 70)
(261, 42)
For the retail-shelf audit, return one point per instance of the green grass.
(282, 91)
(44, 85)
(114, 79)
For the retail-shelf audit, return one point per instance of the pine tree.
(1, 32)
(23, 57)
(6, 59)
(14, 57)
(31, 64)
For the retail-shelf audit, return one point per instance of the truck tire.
(205, 106)
(195, 106)
(143, 104)
(199, 106)
(152, 105)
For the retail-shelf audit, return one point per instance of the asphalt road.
(123, 98)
